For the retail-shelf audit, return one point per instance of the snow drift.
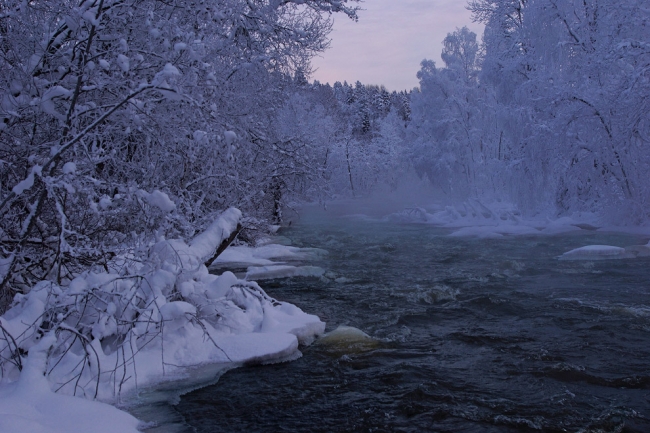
(107, 334)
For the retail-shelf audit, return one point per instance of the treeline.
(365, 143)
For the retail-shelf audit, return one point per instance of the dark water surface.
(474, 335)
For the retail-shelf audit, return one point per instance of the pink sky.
(390, 40)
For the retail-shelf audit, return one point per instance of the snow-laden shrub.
(116, 330)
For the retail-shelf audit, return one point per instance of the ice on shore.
(271, 261)
(29, 406)
(107, 335)
(272, 254)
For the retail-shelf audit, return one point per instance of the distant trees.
(124, 119)
(366, 151)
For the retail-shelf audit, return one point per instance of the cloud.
(390, 40)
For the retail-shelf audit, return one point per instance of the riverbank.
(147, 321)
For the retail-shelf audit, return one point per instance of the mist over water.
(467, 335)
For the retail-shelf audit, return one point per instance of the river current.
(468, 335)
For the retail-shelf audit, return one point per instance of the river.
(468, 335)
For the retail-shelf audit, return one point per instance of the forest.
(131, 124)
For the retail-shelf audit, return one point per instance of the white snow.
(204, 245)
(495, 231)
(105, 202)
(28, 182)
(56, 91)
(230, 137)
(167, 71)
(598, 252)
(199, 136)
(158, 199)
(5, 263)
(270, 261)
(265, 254)
(69, 168)
(123, 62)
(493, 220)
(148, 325)
(29, 406)
(90, 16)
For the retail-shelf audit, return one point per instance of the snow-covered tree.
(550, 113)
(122, 119)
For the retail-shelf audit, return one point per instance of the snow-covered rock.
(597, 252)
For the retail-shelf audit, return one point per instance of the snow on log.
(208, 245)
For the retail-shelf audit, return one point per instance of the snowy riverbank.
(472, 218)
(107, 335)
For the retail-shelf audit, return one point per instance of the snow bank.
(108, 334)
(347, 339)
(28, 404)
(270, 261)
(496, 231)
(265, 255)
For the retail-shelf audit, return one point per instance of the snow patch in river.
(606, 252)
(596, 252)
(271, 254)
(271, 261)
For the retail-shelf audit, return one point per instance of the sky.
(391, 38)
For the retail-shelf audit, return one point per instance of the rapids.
(463, 335)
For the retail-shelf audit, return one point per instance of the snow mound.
(264, 255)
(106, 335)
(348, 339)
(606, 252)
(28, 404)
(597, 252)
(158, 199)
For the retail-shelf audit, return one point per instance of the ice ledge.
(110, 335)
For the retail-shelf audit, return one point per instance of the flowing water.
(468, 335)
